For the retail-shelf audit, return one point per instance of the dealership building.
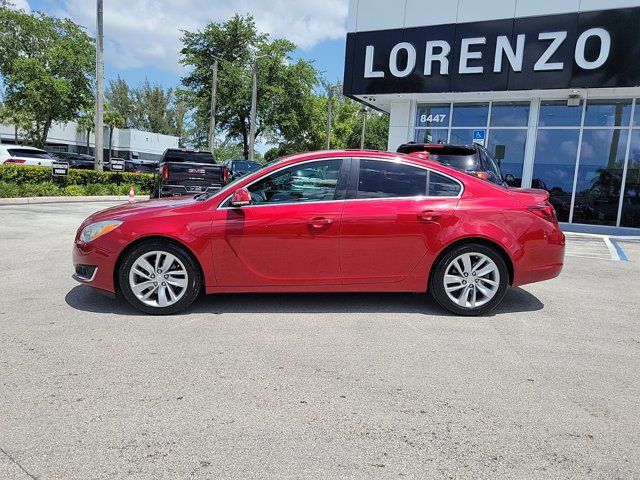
(551, 88)
(127, 143)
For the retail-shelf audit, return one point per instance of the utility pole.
(99, 148)
(327, 143)
(214, 93)
(254, 107)
(364, 126)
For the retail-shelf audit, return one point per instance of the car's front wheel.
(160, 278)
(471, 279)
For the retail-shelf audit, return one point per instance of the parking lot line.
(615, 253)
(619, 250)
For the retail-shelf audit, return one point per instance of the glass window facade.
(587, 155)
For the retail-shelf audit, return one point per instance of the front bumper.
(94, 266)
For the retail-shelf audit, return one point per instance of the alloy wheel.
(158, 279)
(471, 280)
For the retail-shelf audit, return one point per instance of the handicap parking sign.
(479, 136)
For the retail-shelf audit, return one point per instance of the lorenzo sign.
(577, 50)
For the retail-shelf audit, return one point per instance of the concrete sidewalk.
(37, 200)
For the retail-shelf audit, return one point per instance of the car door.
(290, 234)
(392, 216)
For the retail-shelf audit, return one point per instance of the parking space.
(314, 386)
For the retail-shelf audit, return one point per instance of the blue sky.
(142, 36)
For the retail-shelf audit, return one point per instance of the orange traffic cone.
(132, 195)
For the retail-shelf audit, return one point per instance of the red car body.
(351, 245)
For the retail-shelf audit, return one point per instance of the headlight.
(95, 230)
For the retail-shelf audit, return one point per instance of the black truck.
(187, 172)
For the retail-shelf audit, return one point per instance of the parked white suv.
(19, 155)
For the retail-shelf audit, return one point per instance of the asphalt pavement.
(314, 386)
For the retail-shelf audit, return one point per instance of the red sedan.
(337, 221)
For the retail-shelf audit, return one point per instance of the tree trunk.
(15, 134)
(45, 132)
(110, 142)
(245, 141)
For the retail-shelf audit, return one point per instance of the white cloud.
(147, 32)
(21, 5)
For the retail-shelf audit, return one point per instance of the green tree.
(46, 64)
(112, 120)
(87, 123)
(19, 121)
(152, 108)
(119, 96)
(285, 86)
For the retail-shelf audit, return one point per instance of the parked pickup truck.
(188, 172)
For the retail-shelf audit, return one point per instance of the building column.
(401, 123)
(530, 146)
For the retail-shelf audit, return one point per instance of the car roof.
(23, 147)
(373, 154)
(444, 148)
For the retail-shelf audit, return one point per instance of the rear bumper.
(186, 190)
(542, 258)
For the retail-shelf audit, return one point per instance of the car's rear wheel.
(471, 279)
(160, 278)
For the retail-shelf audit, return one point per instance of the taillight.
(13, 161)
(545, 212)
(225, 175)
(165, 173)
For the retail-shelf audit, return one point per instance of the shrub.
(37, 181)
(74, 191)
(95, 189)
(44, 189)
(9, 190)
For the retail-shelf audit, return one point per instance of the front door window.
(309, 182)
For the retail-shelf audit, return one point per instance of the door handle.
(320, 223)
(429, 216)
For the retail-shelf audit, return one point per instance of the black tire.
(193, 282)
(437, 281)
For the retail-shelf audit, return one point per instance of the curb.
(37, 200)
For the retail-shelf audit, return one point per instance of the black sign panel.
(59, 169)
(576, 50)
(116, 165)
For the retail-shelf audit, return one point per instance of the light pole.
(214, 92)
(364, 127)
(327, 142)
(99, 147)
(254, 107)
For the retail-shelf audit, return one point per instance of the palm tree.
(113, 120)
(86, 122)
(17, 119)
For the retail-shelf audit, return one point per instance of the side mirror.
(241, 198)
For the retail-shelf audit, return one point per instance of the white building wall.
(368, 15)
(135, 141)
(401, 123)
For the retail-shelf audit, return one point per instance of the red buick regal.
(335, 221)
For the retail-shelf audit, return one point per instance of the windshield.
(459, 162)
(27, 153)
(246, 166)
(231, 185)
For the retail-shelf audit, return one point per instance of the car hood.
(148, 208)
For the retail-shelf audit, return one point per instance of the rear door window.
(441, 186)
(379, 179)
